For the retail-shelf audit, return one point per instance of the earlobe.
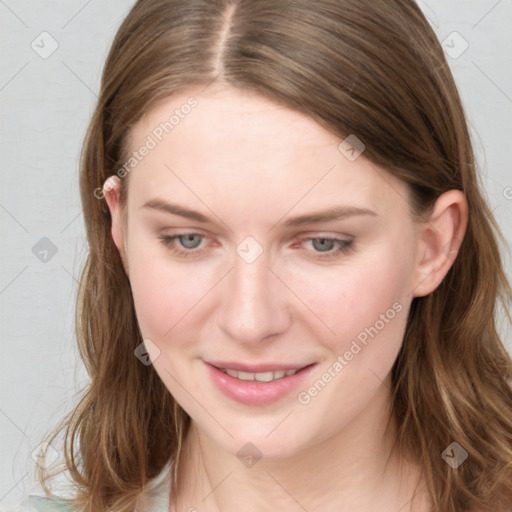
(111, 193)
(440, 240)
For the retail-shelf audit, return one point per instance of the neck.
(351, 471)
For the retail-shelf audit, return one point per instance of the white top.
(155, 498)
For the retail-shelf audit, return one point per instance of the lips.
(256, 384)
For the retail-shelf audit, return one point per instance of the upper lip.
(256, 368)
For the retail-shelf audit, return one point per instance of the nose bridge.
(252, 307)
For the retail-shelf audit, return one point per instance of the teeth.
(246, 376)
(260, 377)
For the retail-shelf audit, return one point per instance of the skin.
(249, 165)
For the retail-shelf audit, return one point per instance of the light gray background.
(46, 104)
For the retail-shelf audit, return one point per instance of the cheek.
(166, 293)
(157, 292)
(366, 298)
(376, 288)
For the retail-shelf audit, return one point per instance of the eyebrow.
(328, 215)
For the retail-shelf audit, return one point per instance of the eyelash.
(344, 246)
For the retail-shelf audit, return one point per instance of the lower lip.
(252, 392)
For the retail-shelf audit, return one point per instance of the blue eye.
(188, 245)
(188, 242)
(324, 246)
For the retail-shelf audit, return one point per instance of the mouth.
(257, 384)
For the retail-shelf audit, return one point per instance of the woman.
(290, 297)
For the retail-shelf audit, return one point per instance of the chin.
(252, 439)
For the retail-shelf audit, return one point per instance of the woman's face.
(257, 247)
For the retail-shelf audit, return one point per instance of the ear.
(111, 193)
(439, 241)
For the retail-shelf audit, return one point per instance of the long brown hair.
(371, 68)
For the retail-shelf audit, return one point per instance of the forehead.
(243, 150)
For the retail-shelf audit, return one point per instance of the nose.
(253, 306)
